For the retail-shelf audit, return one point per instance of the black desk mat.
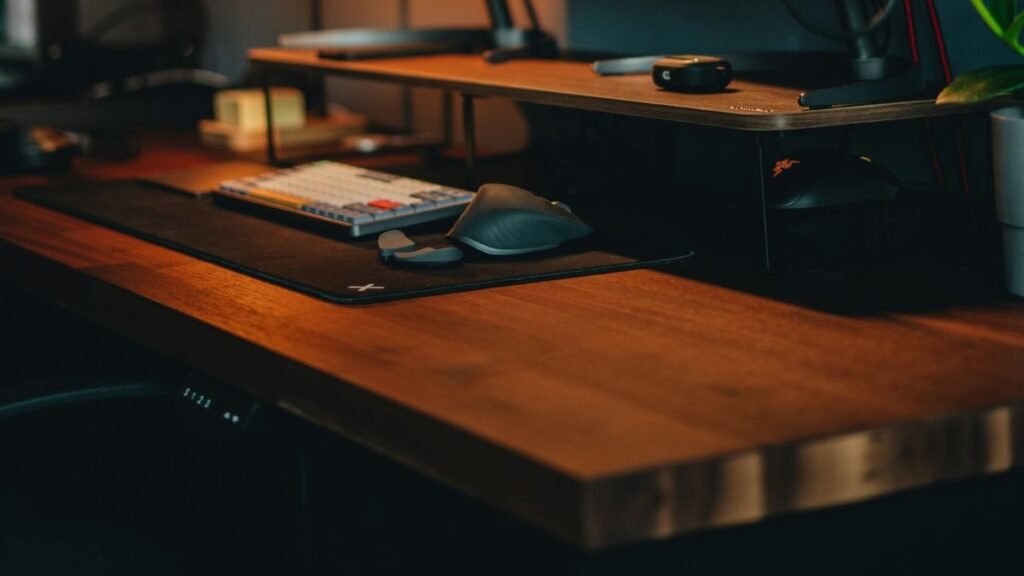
(318, 262)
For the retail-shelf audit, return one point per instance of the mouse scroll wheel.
(562, 206)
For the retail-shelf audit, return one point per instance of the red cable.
(958, 132)
(908, 9)
(940, 41)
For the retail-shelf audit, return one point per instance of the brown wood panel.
(747, 105)
(601, 408)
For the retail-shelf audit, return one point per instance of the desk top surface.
(606, 408)
(754, 105)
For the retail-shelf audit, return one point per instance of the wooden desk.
(604, 409)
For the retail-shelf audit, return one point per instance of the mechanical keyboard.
(364, 201)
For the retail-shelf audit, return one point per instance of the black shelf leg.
(447, 119)
(271, 146)
(759, 142)
(469, 137)
(305, 532)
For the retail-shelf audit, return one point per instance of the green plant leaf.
(987, 16)
(1012, 36)
(1002, 11)
(984, 84)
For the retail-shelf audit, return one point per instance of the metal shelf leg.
(271, 146)
(469, 137)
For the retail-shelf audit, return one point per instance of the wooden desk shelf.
(748, 105)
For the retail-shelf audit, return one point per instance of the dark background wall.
(635, 27)
(659, 26)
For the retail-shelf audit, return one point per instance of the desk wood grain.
(605, 409)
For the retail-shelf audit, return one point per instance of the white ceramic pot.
(1008, 162)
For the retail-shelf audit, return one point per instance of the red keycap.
(384, 204)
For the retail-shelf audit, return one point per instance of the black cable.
(90, 394)
(532, 13)
(118, 16)
(501, 18)
(874, 23)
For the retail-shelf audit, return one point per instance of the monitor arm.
(876, 76)
(501, 16)
(513, 43)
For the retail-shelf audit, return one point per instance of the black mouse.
(828, 177)
(504, 220)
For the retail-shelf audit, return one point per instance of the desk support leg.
(271, 148)
(469, 137)
(305, 552)
(447, 119)
(759, 141)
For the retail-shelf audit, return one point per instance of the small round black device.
(691, 73)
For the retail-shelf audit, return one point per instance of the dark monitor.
(36, 30)
(33, 33)
(44, 50)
